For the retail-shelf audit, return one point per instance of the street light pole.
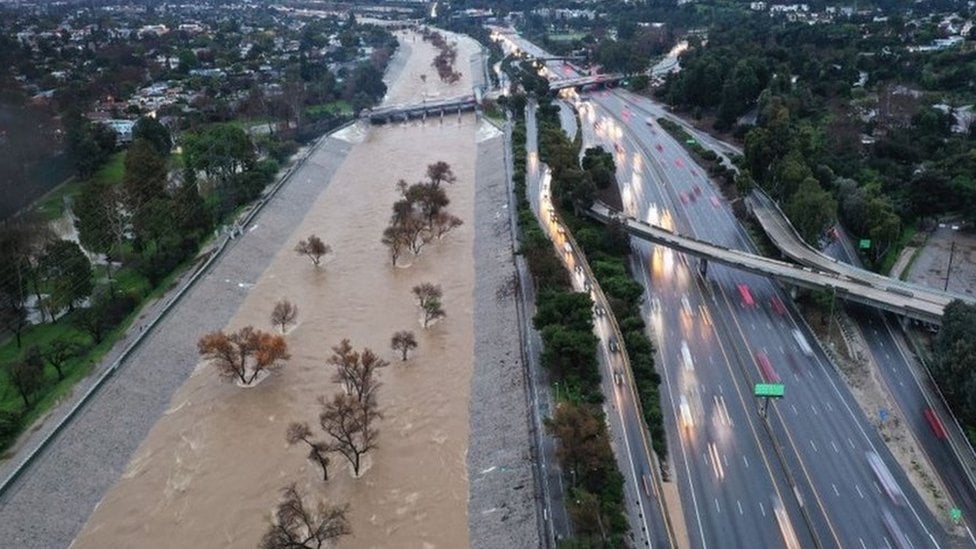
(952, 251)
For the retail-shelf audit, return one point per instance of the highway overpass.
(585, 81)
(892, 299)
(791, 244)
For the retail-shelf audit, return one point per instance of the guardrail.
(215, 253)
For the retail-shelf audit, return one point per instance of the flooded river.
(210, 471)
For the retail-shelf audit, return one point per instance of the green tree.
(811, 209)
(67, 275)
(153, 131)
(145, 174)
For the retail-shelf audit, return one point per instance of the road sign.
(690, 141)
(955, 514)
(864, 244)
(769, 390)
(883, 414)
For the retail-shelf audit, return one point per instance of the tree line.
(879, 156)
(564, 318)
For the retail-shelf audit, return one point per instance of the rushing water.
(209, 472)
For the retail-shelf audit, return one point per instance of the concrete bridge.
(585, 81)
(891, 298)
(439, 107)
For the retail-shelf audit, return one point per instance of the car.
(687, 420)
(679, 162)
(659, 147)
(885, 478)
(684, 197)
(618, 148)
(614, 347)
(650, 121)
(567, 247)
(617, 378)
(777, 305)
(697, 190)
(714, 200)
(686, 356)
(598, 310)
(769, 375)
(802, 343)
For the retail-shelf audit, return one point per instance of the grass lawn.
(565, 36)
(113, 170)
(334, 107)
(888, 261)
(51, 205)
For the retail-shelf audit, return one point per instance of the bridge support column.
(703, 267)
(793, 292)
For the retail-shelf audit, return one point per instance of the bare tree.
(297, 527)
(314, 248)
(440, 172)
(284, 314)
(356, 371)
(348, 421)
(243, 354)
(396, 238)
(404, 342)
(59, 352)
(317, 452)
(445, 223)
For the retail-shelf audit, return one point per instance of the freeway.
(647, 523)
(914, 393)
(824, 438)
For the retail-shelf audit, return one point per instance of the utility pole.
(952, 251)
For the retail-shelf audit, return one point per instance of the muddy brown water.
(209, 472)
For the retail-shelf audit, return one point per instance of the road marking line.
(718, 509)
(851, 442)
(746, 460)
(828, 406)
(836, 493)
(739, 504)
(795, 411)
(859, 492)
(862, 543)
(836, 449)
(762, 508)
(814, 408)
(814, 446)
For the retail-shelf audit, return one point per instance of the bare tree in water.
(318, 451)
(284, 314)
(349, 423)
(404, 342)
(298, 527)
(314, 248)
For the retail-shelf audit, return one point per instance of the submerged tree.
(429, 298)
(314, 248)
(349, 422)
(298, 527)
(356, 371)
(403, 341)
(318, 451)
(284, 314)
(243, 354)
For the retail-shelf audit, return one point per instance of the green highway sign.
(864, 244)
(955, 514)
(774, 390)
(690, 141)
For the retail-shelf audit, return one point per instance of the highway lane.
(715, 452)
(903, 378)
(672, 173)
(632, 449)
(554, 489)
